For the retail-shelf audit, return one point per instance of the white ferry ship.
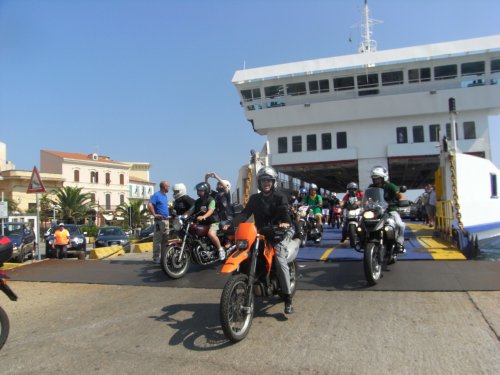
(329, 121)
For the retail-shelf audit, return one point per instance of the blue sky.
(150, 80)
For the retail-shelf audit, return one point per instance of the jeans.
(401, 227)
(160, 237)
(282, 268)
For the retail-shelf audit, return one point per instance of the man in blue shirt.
(158, 207)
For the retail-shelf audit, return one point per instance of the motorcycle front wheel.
(352, 235)
(371, 263)
(4, 327)
(235, 316)
(174, 267)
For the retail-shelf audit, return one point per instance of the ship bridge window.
(418, 134)
(251, 94)
(282, 145)
(274, 91)
(392, 78)
(297, 143)
(326, 141)
(295, 89)
(311, 142)
(402, 134)
(495, 66)
(469, 130)
(419, 75)
(367, 80)
(320, 86)
(472, 68)
(445, 72)
(343, 83)
(434, 130)
(341, 140)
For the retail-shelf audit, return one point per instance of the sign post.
(4, 211)
(36, 186)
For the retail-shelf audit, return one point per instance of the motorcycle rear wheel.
(174, 267)
(371, 263)
(235, 317)
(4, 327)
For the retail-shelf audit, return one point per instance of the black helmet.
(266, 173)
(203, 186)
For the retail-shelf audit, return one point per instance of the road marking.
(326, 254)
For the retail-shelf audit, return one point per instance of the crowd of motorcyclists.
(214, 209)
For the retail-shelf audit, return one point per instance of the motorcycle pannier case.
(5, 249)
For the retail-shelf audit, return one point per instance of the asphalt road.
(123, 316)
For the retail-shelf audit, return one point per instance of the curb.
(146, 247)
(105, 252)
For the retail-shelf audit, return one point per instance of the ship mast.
(367, 44)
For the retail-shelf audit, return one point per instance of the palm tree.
(74, 205)
(133, 213)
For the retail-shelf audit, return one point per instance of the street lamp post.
(55, 208)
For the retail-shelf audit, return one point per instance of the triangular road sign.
(36, 184)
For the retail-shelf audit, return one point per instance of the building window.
(31, 207)
(108, 178)
(402, 135)
(418, 134)
(122, 179)
(367, 80)
(320, 86)
(469, 130)
(282, 145)
(448, 131)
(92, 197)
(494, 191)
(392, 78)
(295, 89)
(251, 94)
(94, 177)
(445, 72)
(297, 143)
(343, 83)
(326, 141)
(341, 140)
(311, 142)
(495, 66)
(472, 68)
(108, 201)
(273, 91)
(419, 75)
(434, 130)
(122, 199)
(76, 175)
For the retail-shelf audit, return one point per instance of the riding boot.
(288, 304)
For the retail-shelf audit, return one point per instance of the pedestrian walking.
(158, 207)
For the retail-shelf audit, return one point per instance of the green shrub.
(90, 229)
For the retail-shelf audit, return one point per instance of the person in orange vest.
(61, 241)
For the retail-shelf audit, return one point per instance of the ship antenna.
(368, 44)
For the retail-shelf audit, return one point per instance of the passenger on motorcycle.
(302, 195)
(314, 200)
(380, 178)
(352, 191)
(270, 207)
(204, 207)
(222, 197)
(334, 201)
(182, 201)
(326, 208)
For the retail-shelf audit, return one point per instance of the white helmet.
(227, 183)
(313, 187)
(179, 190)
(381, 172)
(267, 173)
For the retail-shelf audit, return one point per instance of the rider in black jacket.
(270, 207)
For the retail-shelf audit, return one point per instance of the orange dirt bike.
(253, 275)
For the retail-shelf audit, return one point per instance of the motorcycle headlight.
(241, 244)
(177, 225)
(369, 215)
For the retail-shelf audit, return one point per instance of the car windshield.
(13, 229)
(110, 232)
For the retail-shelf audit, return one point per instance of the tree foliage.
(133, 212)
(74, 204)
